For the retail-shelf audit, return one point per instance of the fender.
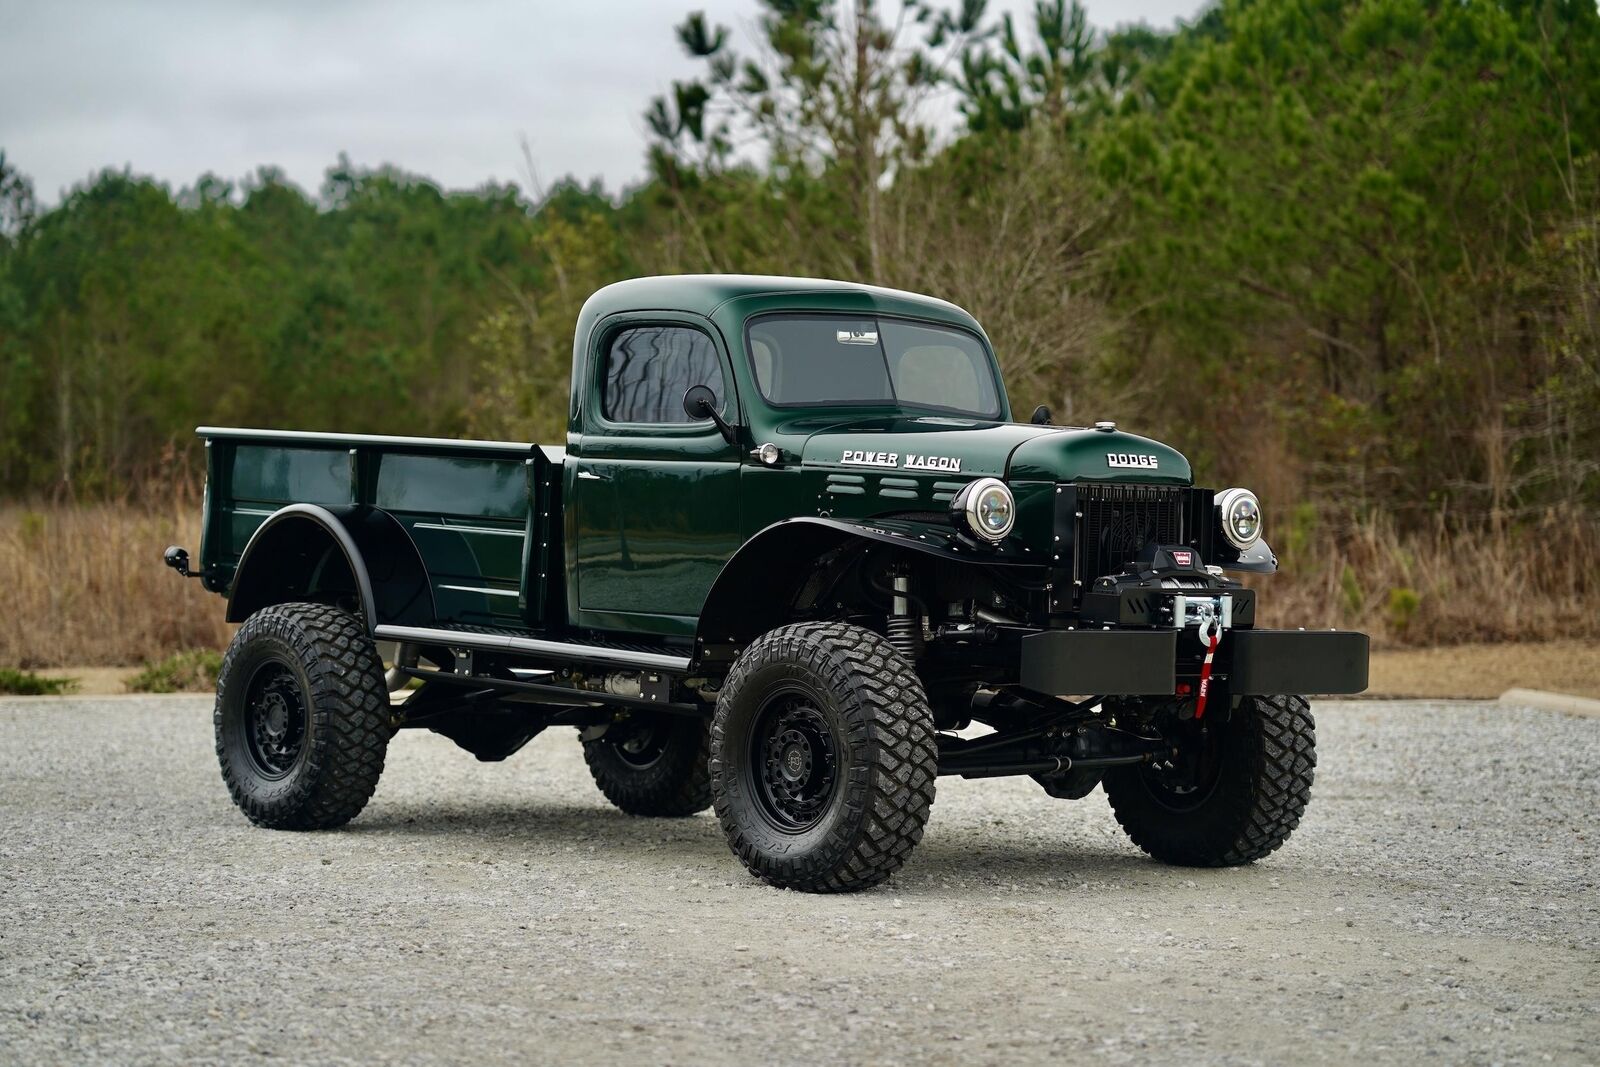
(305, 549)
(759, 587)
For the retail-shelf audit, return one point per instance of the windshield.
(814, 360)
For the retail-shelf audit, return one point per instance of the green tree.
(835, 98)
(1334, 199)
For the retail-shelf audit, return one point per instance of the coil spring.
(905, 634)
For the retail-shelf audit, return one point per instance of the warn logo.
(1182, 559)
(1131, 459)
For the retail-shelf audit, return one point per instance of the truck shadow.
(533, 831)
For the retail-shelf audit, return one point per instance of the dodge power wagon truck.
(795, 561)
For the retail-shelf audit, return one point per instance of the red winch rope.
(1205, 672)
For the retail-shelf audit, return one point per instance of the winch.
(1189, 610)
(1168, 587)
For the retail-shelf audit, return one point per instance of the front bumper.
(1146, 662)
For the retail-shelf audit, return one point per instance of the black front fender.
(774, 573)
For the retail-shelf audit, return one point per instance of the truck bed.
(483, 515)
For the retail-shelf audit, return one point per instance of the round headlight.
(988, 508)
(1239, 515)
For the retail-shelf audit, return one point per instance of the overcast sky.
(175, 88)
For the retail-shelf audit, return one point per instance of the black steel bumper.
(1146, 662)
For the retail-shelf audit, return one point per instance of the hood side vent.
(899, 488)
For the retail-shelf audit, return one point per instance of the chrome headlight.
(987, 508)
(1239, 515)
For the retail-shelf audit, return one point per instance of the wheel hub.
(798, 760)
(640, 744)
(275, 714)
(275, 719)
(794, 759)
(1188, 780)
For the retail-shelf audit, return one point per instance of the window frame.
(894, 404)
(606, 332)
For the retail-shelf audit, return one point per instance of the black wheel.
(1234, 793)
(653, 764)
(302, 717)
(823, 758)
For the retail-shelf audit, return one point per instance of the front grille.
(1114, 522)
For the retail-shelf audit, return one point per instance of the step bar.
(533, 646)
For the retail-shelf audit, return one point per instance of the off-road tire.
(677, 782)
(1269, 756)
(346, 724)
(887, 756)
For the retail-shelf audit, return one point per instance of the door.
(655, 493)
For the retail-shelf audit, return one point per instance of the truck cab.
(794, 550)
(661, 498)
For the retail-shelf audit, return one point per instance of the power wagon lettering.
(858, 458)
(948, 464)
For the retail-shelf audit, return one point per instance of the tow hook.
(1210, 634)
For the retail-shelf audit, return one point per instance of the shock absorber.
(904, 629)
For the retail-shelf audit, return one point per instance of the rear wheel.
(1234, 793)
(653, 764)
(823, 758)
(302, 717)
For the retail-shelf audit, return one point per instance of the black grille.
(1116, 521)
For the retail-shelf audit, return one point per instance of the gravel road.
(1439, 903)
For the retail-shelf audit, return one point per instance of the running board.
(533, 646)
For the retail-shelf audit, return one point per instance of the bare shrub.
(85, 586)
(1446, 585)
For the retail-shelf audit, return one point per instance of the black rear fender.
(334, 555)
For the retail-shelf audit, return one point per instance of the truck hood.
(971, 448)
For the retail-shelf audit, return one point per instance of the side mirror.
(1041, 416)
(699, 402)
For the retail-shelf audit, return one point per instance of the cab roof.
(728, 301)
(705, 294)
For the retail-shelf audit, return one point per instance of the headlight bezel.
(968, 505)
(1228, 502)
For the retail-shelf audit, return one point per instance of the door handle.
(591, 476)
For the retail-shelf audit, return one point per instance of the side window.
(649, 368)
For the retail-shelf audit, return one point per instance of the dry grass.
(1537, 582)
(1483, 672)
(84, 585)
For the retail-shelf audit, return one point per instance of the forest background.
(1345, 252)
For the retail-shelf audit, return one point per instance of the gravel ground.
(1439, 904)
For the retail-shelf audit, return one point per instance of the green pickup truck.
(795, 561)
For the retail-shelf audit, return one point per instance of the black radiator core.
(1118, 520)
(1101, 526)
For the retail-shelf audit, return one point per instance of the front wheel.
(302, 717)
(823, 758)
(1235, 791)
